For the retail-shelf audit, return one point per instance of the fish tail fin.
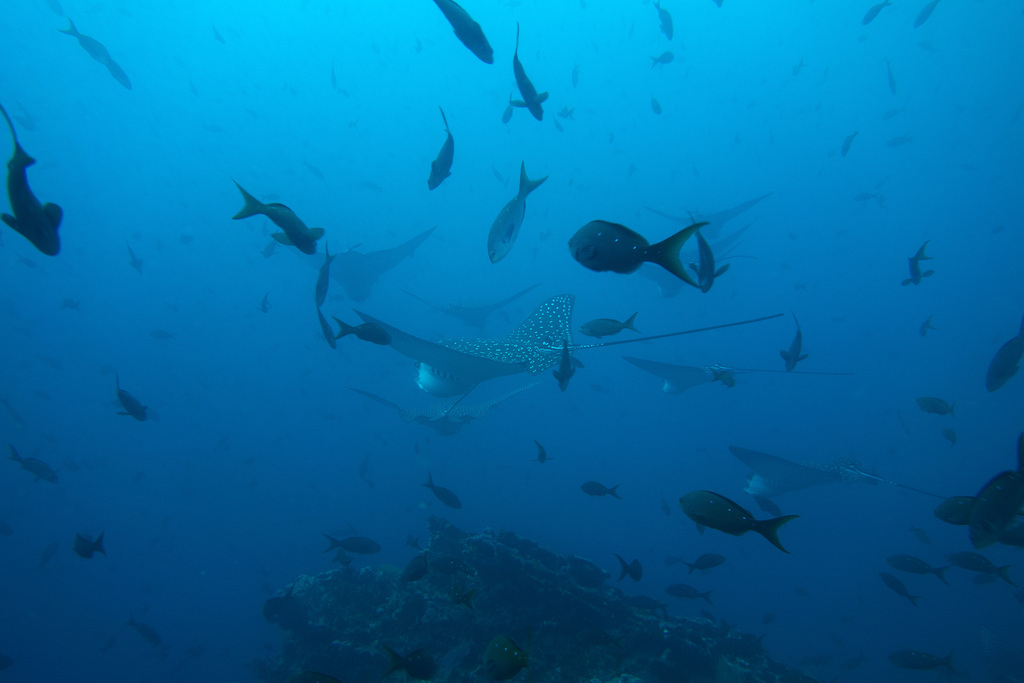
(769, 528)
(629, 323)
(97, 545)
(666, 253)
(9, 125)
(941, 573)
(623, 567)
(952, 409)
(1004, 574)
(948, 663)
(613, 491)
(707, 596)
(131, 619)
(721, 271)
(908, 281)
(396, 662)
(344, 329)
(15, 456)
(334, 543)
(691, 566)
(920, 255)
(71, 30)
(253, 206)
(430, 480)
(913, 599)
(526, 186)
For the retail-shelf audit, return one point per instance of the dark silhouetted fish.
(998, 503)
(677, 378)
(847, 142)
(891, 78)
(564, 372)
(147, 632)
(37, 468)
(665, 18)
(353, 544)
(898, 587)
(925, 12)
(631, 569)
(542, 454)
(441, 167)
(86, 548)
(794, 355)
(133, 260)
(295, 233)
(665, 57)
(417, 665)
(532, 100)
(446, 496)
(926, 326)
(1006, 362)
(709, 509)
(607, 327)
(920, 661)
(467, 30)
(265, 303)
(567, 113)
(915, 267)
(36, 222)
(505, 228)
(873, 12)
(132, 406)
(914, 565)
(97, 51)
(602, 246)
(687, 592)
(921, 535)
(973, 562)
(592, 488)
(706, 561)
(415, 570)
(370, 332)
(323, 278)
(655, 106)
(705, 266)
(936, 406)
(949, 435)
(503, 659)
(326, 330)
(48, 552)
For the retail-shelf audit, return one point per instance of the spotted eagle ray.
(474, 316)
(449, 416)
(454, 366)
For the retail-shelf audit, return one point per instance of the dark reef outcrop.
(573, 626)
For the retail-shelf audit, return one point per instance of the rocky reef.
(466, 590)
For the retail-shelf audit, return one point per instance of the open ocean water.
(824, 142)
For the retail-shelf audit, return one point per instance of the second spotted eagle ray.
(454, 366)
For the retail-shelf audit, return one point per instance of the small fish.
(687, 592)
(847, 142)
(354, 544)
(705, 267)
(592, 488)
(532, 100)
(565, 370)
(925, 12)
(892, 79)
(566, 113)
(607, 327)
(921, 534)
(709, 509)
(418, 665)
(602, 246)
(505, 228)
(655, 106)
(503, 659)
(467, 30)
(97, 51)
(36, 222)
(415, 570)
(794, 355)
(998, 503)
(370, 332)
(441, 167)
(217, 36)
(37, 468)
(915, 267)
(86, 548)
(632, 569)
(974, 562)
(926, 326)
(665, 57)
(265, 301)
(920, 661)
(898, 141)
(446, 496)
(575, 75)
(873, 12)
(147, 632)
(914, 565)
(949, 435)
(665, 18)
(936, 406)
(327, 330)
(542, 454)
(15, 417)
(706, 561)
(133, 260)
(898, 587)
(323, 278)
(295, 231)
(48, 552)
(798, 67)
(1006, 362)
(131, 405)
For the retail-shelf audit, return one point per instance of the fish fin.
(397, 663)
(53, 214)
(70, 30)
(908, 281)
(613, 491)
(928, 273)
(526, 186)
(785, 355)
(803, 357)
(252, 207)
(121, 412)
(280, 237)
(666, 253)
(691, 566)
(722, 270)
(542, 97)
(316, 233)
(624, 569)
(11, 221)
(913, 599)
(693, 267)
(343, 328)
(517, 103)
(629, 323)
(769, 528)
(1004, 574)
(707, 596)
(941, 573)
(334, 543)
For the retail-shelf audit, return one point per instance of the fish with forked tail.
(132, 406)
(602, 246)
(441, 167)
(467, 30)
(915, 267)
(99, 52)
(794, 355)
(1006, 362)
(295, 231)
(532, 100)
(709, 509)
(36, 222)
(505, 228)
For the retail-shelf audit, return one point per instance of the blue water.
(220, 500)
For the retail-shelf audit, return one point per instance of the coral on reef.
(478, 587)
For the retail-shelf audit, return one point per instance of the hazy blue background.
(222, 501)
